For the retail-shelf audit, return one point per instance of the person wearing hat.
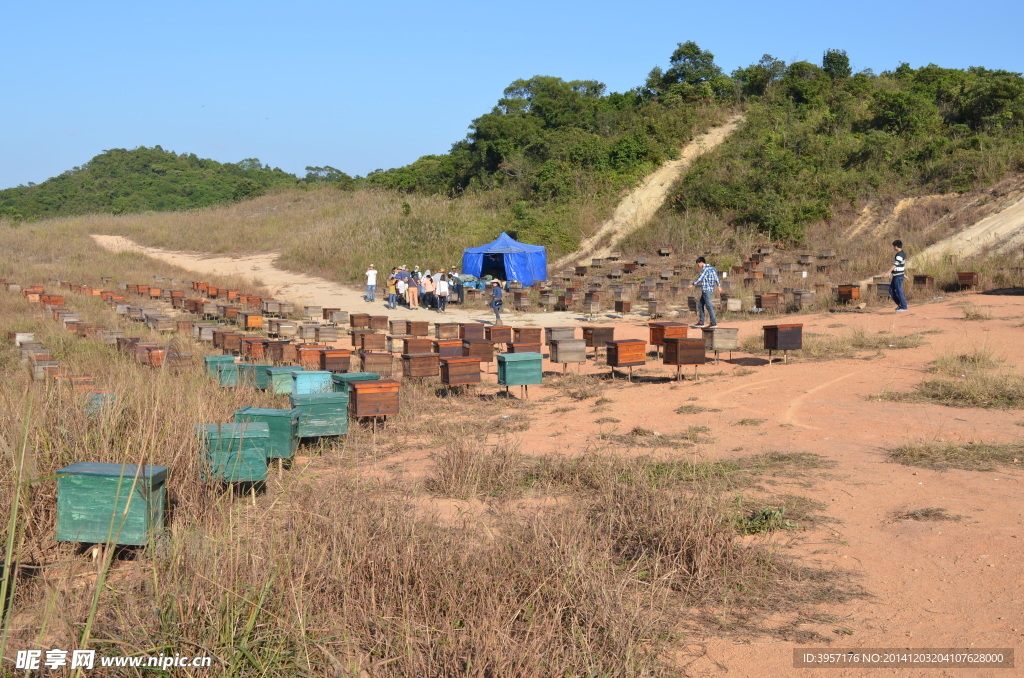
(496, 301)
(371, 284)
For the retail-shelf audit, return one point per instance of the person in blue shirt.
(898, 273)
(496, 301)
(708, 281)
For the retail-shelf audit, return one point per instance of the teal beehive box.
(341, 381)
(321, 414)
(235, 453)
(519, 369)
(312, 381)
(279, 379)
(227, 374)
(253, 375)
(98, 401)
(110, 503)
(213, 361)
(283, 425)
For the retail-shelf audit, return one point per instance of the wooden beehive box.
(529, 335)
(312, 312)
(335, 359)
(270, 307)
(447, 348)
(481, 349)
(399, 327)
(326, 312)
(395, 343)
(968, 279)
(309, 354)
(305, 331)
(281, 351)
(768, 302)
(338, 317)
(233, 342)
(660, 331)
(326, 334)
(622, 306)
(627, 353)
(282, 425)
(525, 347)
(783, 337)
(520, 369)
(417, 345)
(341, 381)
(447, 331)
(279, 379)
(721, 338)
(379, 363)
(420, 364)
(254, 348)
(355, 336)
(249, 320)
(456, 371)
(419, 328)
(252, 375)
(227, 374)
(378, 322)
(371, 341)
(683, 351)
(358, 320)
(500, 334)
(321, 415)
(374, 398)
(472, 331)
(110, 503)
(924, 282)
(234, 453)
(567, 351)
(305, 382)
(597, 337)
(212, 361)
(558, 333)
(848, 292)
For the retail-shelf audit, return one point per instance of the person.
(708, 281)
(414, 293)
(458, 290)
(442, 293)
(496, 301)
(419, 284)
(371, 284)
(402, 289)
(898, 273)
(392, 292)
(428, 290)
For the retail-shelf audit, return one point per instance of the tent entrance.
(493, 265)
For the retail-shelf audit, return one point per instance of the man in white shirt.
(371, 284)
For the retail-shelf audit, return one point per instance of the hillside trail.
(308, 289)
(637, 208)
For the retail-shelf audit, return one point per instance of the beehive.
(253, 375)
(419, 328)
(417, 345)
(968, 279)
(326, 333)
(481, 349)
(370, 341)
(357, 320)
(783, 337)
(500, 334)
(235, 453)
(447, 348)
(308, 381)
(420, 364)
(338, 317)
(281, 351)
(529, 335)
(768, 302)
(683, 351)
(525, 347)
(627, 352)
(395, 343)
(558, 333)
(254, 347)
(279, 379)
(456, 371)
(321, 415)
(597, 337)
(374, 398)
(447, 331)
(378, 322)
(399, 327)
(341, 382)
(282, 425)
(848, 292)
(721, 338)
(622, 306)
(227, 374)
(110, 503)
(472, 331)
(924, 282)
(97, 401)
(660, 331)
(568, 351)
(309, 354)
(335, 359)
(520, 369)
(212, 362)
(379, 363)
(306, 332)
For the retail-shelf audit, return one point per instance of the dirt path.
(309, 289)
(637, 208)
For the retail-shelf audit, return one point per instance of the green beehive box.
(253, 375)
(322, 414)
(235, 452)
(212, 362)
(283, 425)
(227, 374)
(279, 379)
(519, 369)
(110, 503)
(341, 381)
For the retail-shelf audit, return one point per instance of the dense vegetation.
(820, 136)
(142, 179)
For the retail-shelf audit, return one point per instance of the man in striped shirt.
(708, 281)
(898, 273)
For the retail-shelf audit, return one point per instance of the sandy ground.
(637, 208)
(929, 584)
(1002, 230)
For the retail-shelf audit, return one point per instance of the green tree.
(836, 64)
(755, 79)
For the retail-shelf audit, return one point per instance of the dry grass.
(970, 457)
(930, 514)
(969, 380)
(972, 312)
(834, 347)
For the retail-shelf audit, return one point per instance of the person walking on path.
(442, 293)
(898, 273)
(371, 284)
(496, 301)
(708, 281)
(392, 292)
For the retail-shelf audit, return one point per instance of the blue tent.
(507, 259)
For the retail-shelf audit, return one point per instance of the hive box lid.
(314, 398)
(282, 370)
(382, 386)
(779, 327)
(266, 412)
(355, 376)
(249, 429)
(155, 474)
(518, 357)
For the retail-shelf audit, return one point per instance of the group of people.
(414, 289)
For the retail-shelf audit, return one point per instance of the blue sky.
(368, 86)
